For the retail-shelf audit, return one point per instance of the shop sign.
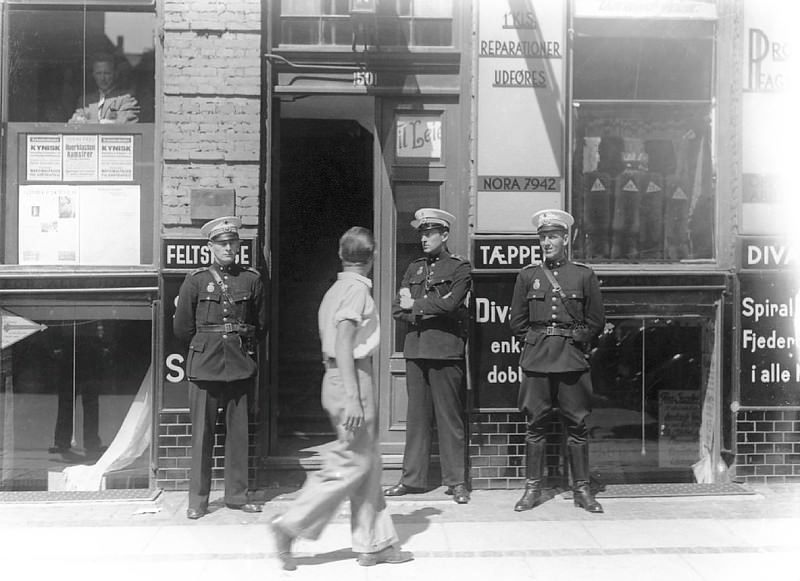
(419, 136)
(768, 322)
(767, 253)
(175, 392)
(14, 328)
(521, 100)
(493, 351)
(505, 253)
(190, 253)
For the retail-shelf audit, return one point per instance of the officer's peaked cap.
(428, 218)
(547, 220)
(221, 229)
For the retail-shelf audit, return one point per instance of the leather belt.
(552, 330)
(330, 363)
(240, 328)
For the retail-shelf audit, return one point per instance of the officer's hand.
(405, 300)
(353, 415)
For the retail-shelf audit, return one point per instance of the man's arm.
(398, 312)
(183, 323)
(345, 339)
(128, 109)
(519, 318)
(451, 301)
(593, 309)
(260, 303)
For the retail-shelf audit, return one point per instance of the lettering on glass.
(419, 136)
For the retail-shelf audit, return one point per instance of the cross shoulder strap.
(560, 292)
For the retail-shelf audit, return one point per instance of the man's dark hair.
(104, 57)
(356, 246)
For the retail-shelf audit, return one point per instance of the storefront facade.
(305, 118)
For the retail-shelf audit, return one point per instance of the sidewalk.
(686, 538)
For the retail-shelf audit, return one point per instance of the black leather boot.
(534, 467)
(582, 494)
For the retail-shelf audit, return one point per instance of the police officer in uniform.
(432, 301)
(556, 309)
(220, 315)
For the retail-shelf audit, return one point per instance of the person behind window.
(110, 103)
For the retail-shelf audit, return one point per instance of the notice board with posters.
(180, 256)
(768, 316)
(79, 195)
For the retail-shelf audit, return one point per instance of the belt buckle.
(550, 330)
(229, 327)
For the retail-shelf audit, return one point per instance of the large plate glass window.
(643, 188)
(79, 107)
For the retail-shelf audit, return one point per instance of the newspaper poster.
(80, 158)
(110, 238)
(43, 158)
(116, 158)
(48, 224)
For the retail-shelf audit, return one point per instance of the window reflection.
(53, 72)
(642, 177)
(66, 392)
(395, 23)
(648, 378)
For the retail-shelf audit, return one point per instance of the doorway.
(325, 187)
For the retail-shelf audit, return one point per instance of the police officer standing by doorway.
(556, 309)
(432, 301)
(220, 315)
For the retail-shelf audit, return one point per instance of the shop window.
(67, 393)
(79, 152)
(395, 23)
(650, 379)
(642, 186)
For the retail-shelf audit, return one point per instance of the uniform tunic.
(215, 356)
(220, 371)
(555, 363)
(535, 304)
(434, 351)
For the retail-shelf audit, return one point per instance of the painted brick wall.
(768, 446)
(210, 113)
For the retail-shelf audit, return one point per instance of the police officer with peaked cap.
(220, 315)
(556, 309)
(432, 301)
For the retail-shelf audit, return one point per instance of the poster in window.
(43, 159)
(80, 158)
(48, 224)
(116, 158)
(679, 427)
(110, 237)
(83, 225)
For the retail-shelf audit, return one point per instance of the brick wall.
(768, 446)
(210, 112)
(175, 452)
(497, 451)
